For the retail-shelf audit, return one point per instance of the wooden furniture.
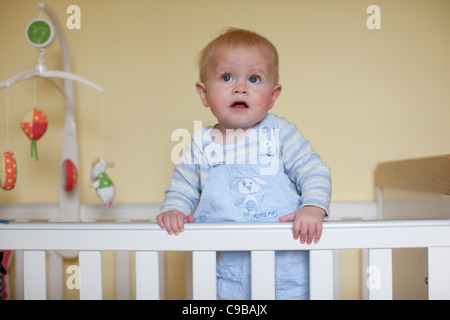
(413, 189)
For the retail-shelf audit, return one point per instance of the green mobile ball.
(40, 33)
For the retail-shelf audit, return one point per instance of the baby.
(252, 166)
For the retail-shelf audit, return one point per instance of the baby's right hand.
(173, 221)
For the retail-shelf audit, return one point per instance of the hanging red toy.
(8, 170)
(34, 124)
(69, 175)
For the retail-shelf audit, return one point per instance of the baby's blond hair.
(236, 38)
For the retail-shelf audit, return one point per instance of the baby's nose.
(240, 88)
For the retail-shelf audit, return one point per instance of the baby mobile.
(40, 34)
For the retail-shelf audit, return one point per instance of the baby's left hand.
(307, 222)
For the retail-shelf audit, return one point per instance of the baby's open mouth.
(239, 104)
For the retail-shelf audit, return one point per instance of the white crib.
(146, 241)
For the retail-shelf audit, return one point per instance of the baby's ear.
(201, 90)
(259, 180)
(275, 94)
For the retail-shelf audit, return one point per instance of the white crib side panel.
(263, 275)
(35, 275)
(56, 276)
(204, 275)
(18, 270)
(147, 275)
(90, 263)
(123, 271)
(379, 280)
(321, 274)
(438, 273)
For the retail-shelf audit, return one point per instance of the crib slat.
(19, 270)
(123, 271)
(379, 280)
(204, 275)
(438, 275)
(147, 275)
(263, 275)
(35, 275)
(321, 274)
(90, 263)
(55, 274)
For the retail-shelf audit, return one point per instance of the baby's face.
(239, 87)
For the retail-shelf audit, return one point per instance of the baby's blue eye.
(253, 79)
(227, 77)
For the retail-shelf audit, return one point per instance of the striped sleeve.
(184, 191)
(304, 167)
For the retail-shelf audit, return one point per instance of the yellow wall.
(360, 96)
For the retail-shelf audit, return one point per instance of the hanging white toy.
(102, 182)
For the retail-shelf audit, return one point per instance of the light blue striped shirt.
(301, 164)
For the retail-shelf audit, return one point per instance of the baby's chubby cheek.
(260, 103)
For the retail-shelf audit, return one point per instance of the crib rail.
(203, 240)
